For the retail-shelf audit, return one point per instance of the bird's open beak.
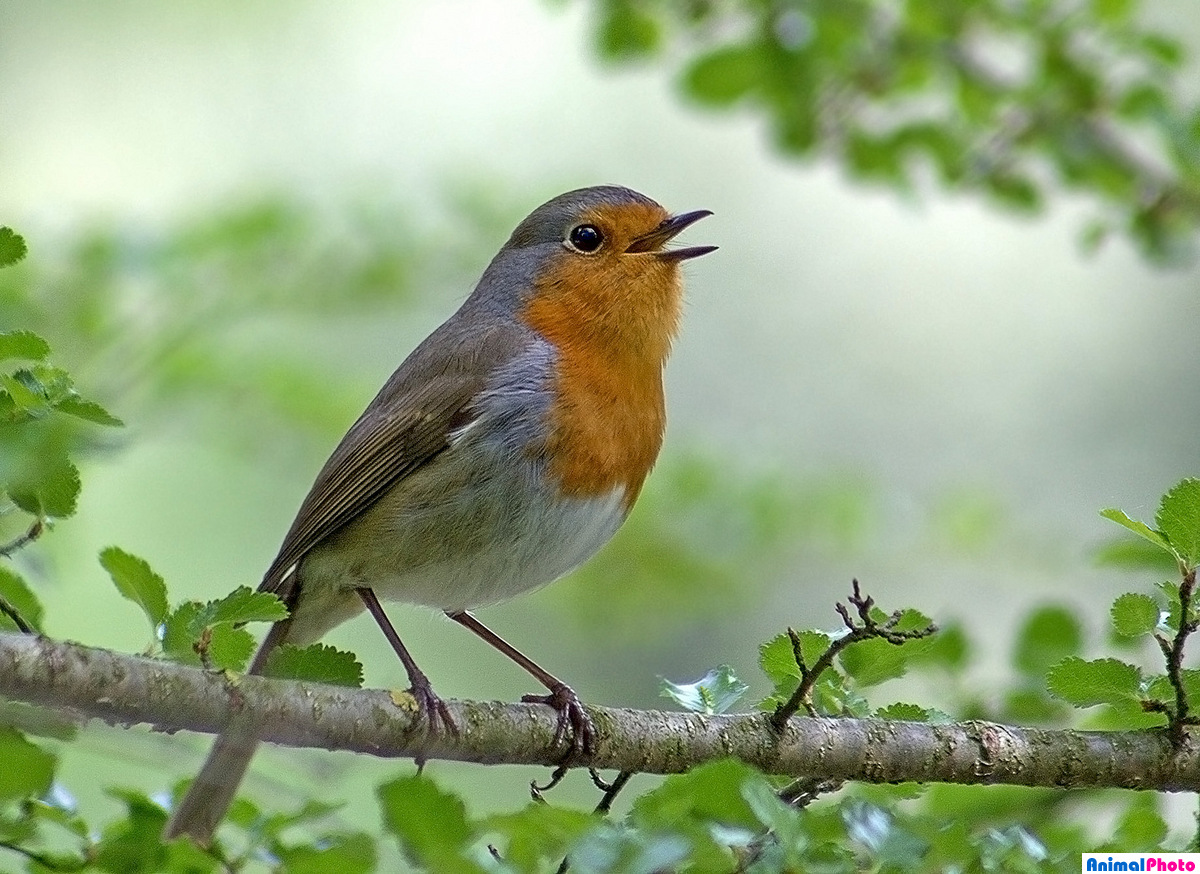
(667, 231)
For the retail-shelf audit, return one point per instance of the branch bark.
(129, 690)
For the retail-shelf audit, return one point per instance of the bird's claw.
(433, 712)
(572, 718)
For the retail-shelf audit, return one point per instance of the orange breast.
(612, 322)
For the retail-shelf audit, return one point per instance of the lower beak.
(667, 231)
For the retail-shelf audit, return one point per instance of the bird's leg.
(562, 697)
(429, 706)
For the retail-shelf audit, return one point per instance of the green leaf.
(230, 648)
(1134, 614)
(49, 488)
(779, 662)
(627, 31)
(430, 823)
(724, 76)
(912, 713)
(1136, 554)
(1163, 49)
(22, 345)
(177, 637)
(316, 663)
(28, 769)
(345, 853)
(136, 581)
(1178, 519)
(1049, 635)
(1140, 827)
(711, 791)
(715, 692)
(536, 834)
(1014, 192)
(133, 845)
(1141, 529)
(12, 247)
(949, 649)
(870, 662)
(241, 605)
(18, 595)
(878, 831)
(1102, 681)
(89, 411)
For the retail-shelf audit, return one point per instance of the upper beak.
(667, 231)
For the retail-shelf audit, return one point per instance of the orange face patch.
(612, 316)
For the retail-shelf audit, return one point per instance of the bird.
(506, 449)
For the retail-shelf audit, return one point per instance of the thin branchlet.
(864, 627)
(1179, 716)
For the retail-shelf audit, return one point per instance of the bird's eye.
(585, 238)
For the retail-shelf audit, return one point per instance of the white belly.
(454, 536)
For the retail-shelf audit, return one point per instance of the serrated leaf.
(1050, 634)
(1141, 529)
(1134, 614)
(177, 636)
(230, 648)
(24, 345)
(12, 247)
(243, 604)
(905, 712)
(136, 581)
(776, 659)
(89, 411)
(779, 662)
(49, 489)
(1088, 683)
(28, 769)
(16, 592)
(1178, 519)
(870, 662)
(316, 663)
(715, 692)
(430, 822)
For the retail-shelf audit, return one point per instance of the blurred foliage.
(1012, 99)
(155, 320)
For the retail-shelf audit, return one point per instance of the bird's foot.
(432, 712)
(573, 721)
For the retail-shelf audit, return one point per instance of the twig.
(34, 532)
(11, 612)
(865, 628)
(1179, 717)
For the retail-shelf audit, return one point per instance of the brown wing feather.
(407, 424)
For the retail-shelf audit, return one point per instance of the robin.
(504, 451)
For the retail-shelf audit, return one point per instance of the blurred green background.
(241, 218)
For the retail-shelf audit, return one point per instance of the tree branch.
(129, 690)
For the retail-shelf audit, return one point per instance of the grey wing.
(407, 425)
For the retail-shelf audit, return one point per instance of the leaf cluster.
(1012, 101)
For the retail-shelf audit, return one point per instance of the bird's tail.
(203, 807)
